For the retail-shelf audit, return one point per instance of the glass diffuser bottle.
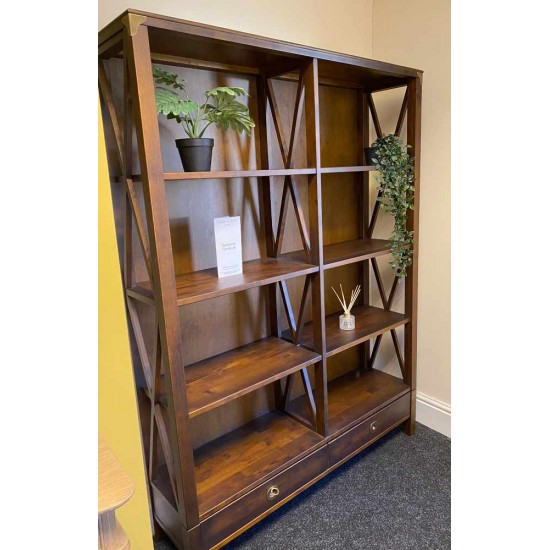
(347, 320)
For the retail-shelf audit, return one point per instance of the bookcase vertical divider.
(315, 198)
(414, 100)
(266, 216)
(363, 180)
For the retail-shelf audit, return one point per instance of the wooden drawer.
(250, 506)
(366, 431)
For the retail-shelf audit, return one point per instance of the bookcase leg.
(410, 425)
(158, 533)
(413, 98)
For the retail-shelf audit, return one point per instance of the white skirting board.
(433, 413)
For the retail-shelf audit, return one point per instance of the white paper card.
(229, 254)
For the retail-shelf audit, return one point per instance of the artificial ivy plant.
(396, 195)
(220, 108)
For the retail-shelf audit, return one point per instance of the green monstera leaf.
(226, 90)
(227, 113)
(171, 105)
(169, 79)
(233, 119)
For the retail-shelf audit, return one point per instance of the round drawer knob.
(273, 492)
(374, 427)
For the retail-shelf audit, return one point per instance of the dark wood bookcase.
(248, 391)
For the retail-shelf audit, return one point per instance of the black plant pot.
(370, 152)
(195, 154)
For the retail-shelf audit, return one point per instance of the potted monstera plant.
(220, 108)
(396, 195)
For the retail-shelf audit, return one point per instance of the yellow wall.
(118, 421)
(418, 34)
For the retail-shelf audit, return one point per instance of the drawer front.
(248, 507)
(370, 428)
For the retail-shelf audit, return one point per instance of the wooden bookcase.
(248, 391)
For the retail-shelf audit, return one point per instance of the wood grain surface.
(353, 397)
(115, 487)
(204, 285)
(369, 322)
(228, 466)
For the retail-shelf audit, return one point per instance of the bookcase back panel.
(339, 115)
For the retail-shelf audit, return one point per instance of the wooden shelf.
(369, 322)
(204, 285)
(236, 462)
(230, 174)
(348, 169)
(227, 376)
(347, 252)
(353, 397)
(219, 379)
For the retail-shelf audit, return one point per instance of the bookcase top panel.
(250, 54)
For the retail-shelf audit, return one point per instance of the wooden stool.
(114, 489)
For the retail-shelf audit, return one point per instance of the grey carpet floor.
(395, 495)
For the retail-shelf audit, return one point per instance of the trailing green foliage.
(396, 196)
(220, 108)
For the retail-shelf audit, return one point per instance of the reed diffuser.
(347, 320)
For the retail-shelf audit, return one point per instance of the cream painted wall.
(418, 34)
(344, 26)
